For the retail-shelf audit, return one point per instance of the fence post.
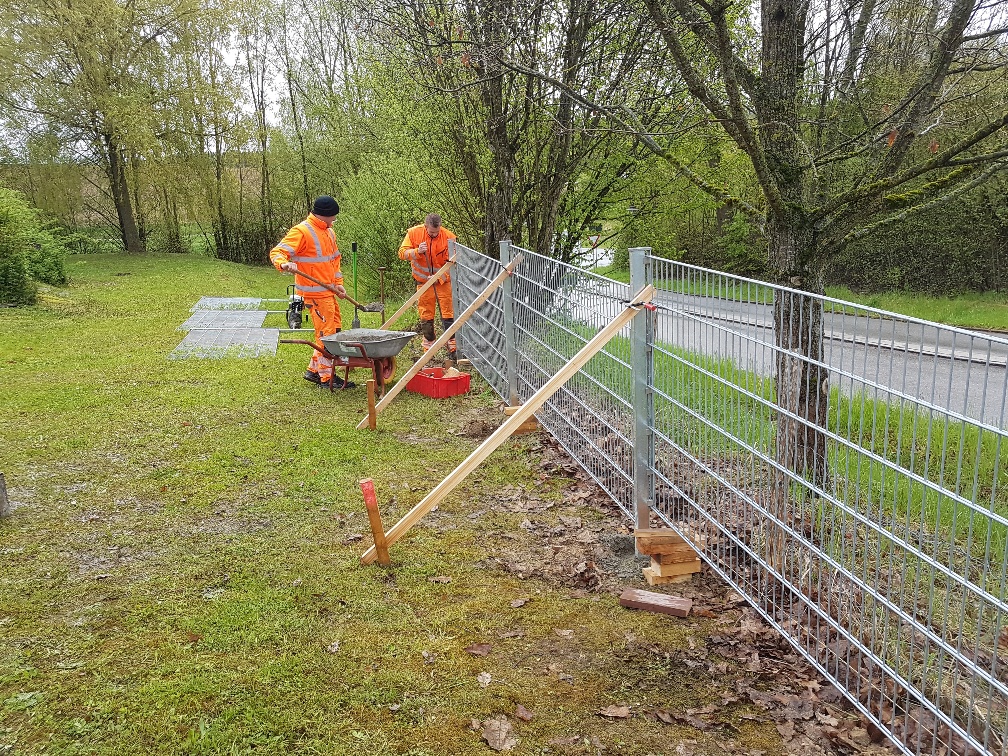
(642, 362)
(456, 305)
(510, 351)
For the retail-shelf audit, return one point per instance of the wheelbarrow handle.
(306, 342)
(332, 288)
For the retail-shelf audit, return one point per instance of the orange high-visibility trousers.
(325, 317)
(441, 292)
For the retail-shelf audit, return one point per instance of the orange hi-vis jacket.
(313, 247)
(425, 264)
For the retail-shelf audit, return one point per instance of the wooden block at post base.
(653, 579)
(673, 553)
(674, 569)
(664, 541)
(634, 598)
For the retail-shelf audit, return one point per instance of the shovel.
(353, 264)
(370, 307)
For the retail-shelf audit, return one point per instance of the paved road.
(961, 373)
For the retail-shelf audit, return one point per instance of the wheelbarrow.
(362, 347)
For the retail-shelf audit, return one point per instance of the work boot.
(339, 383)
(427, 329)
(312, 377)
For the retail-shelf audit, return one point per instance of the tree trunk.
(802, 389)
(500, 195)
(115, 168)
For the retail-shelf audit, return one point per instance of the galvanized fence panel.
(481, 339)
(840, 466)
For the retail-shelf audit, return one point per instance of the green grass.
(176, 572)
(988, 310)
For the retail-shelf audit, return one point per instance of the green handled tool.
(353, 265)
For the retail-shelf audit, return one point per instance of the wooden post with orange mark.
(374, 517)
(372, 415)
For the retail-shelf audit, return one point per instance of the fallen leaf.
(483, 678)
(479, 649)
(519, 603)
(825, 718)
(394, 707)
(511, 634)
(498, 734)
(564, 633)
(615, 712)
(333, 647)
(734, 599)
(891, 139)
(786, 730)
(523, 714)
(352, 538)
(596, 743)
(440, 579)
(194, 637)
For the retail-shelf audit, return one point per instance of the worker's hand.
(422, 249)
(290, 267)
(340, 291)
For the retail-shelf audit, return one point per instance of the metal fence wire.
(838, 465)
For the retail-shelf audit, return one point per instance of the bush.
(16, 288)
(28, 251)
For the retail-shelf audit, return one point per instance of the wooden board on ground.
(674, 569)
(649, 601)
(653, 579)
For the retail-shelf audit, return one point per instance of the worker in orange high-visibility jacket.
(426, 248)
(311, 247)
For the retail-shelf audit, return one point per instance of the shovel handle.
(332, 288)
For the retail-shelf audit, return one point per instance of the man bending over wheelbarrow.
(426, 248)
(311, 247)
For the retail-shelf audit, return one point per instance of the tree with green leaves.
(100, 76)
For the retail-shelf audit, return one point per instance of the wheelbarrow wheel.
(388, 366)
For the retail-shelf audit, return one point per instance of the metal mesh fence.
(840, 466)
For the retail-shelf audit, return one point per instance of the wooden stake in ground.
(374, 517)
(372, 416)
(526, 411)
(449, 332)
(416, 297)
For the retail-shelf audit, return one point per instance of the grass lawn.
(180, 573)
(986, 311)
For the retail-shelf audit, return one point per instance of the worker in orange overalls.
(311, 247)
(426, 247)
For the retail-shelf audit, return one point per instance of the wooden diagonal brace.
(449, 332)
(524, 412)
(416, 296)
